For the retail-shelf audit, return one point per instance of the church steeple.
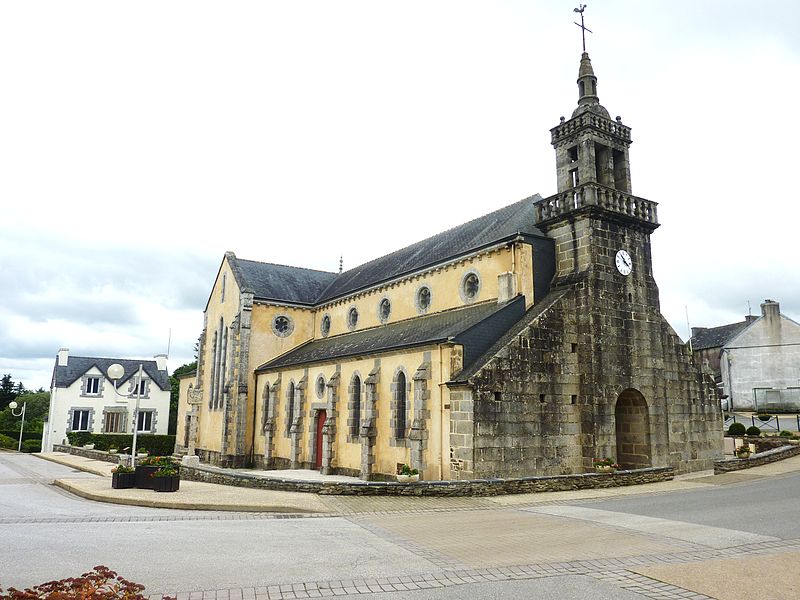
(587, 89)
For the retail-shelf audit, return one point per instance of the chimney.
(750, 318)
(771, 311)
(161, 362)
(63, 357)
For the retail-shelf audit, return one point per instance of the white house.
(82, 397)
(760, 366)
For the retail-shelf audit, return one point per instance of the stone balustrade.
(594, 194)
(594, 121)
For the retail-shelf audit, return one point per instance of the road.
(626, 548)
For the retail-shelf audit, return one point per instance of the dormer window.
(92, 385)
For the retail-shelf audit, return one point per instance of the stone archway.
(633, 431)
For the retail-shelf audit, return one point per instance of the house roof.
(77, 366)
(474, 326)
(283, 283)
(716, 337)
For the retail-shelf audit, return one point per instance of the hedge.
(8, 442)
(26, 435)
(32, 445)
(156, 445)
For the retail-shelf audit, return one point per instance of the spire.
(587, 82)
(587, 89)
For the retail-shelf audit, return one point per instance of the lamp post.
(13, 405)
(115, 373)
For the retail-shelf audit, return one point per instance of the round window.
(423, 298)
(320, 387)
(470, 286)
(352, 318)
(325, 325)
(384, 310)
(282, 325)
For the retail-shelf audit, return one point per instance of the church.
(528, 341)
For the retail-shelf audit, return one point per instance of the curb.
(66, 463)
(65, 484)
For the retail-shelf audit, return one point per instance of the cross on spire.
(583, 27)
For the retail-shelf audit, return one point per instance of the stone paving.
(538, 536)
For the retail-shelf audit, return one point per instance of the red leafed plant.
(101, 583)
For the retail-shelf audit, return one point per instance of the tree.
(36, 409)
(174, 399)
(8, 390)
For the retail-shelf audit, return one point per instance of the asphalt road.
(48, 534)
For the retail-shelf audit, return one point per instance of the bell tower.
(595, 220)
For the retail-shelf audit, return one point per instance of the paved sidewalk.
(208, 496)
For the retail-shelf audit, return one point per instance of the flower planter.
(605, 469)
(121, 481)
(166, 484)
(407, 478)
(144, 476)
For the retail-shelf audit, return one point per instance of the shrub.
(737, 429)
(8, 442)
(786, 434)
(157, 445)
(123, 469)
(753, 430)
(763, 417)
(101, 583)
(31, 445)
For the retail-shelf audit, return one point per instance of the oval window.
(352, 318)
(423, 298)
(384, 310)
(325, 325)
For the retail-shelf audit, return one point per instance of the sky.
(139, 141)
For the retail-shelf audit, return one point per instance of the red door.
(321, 416)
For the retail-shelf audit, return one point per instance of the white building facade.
(761, 365)
(83, 398)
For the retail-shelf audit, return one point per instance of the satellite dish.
(115, 372)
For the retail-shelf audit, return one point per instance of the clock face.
(624, 262)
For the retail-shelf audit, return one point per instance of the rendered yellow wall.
(348, 455)
(210, 424)
(445, 285)
(183, 407)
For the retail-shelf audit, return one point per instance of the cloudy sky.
(141, 140)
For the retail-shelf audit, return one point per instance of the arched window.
(401, 405)
(265, 406)
(355, 406)
(289, 407)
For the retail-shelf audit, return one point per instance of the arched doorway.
(633, 431)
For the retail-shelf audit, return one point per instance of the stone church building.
(528, 341)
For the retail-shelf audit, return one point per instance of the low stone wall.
(86, 453)
(755, 460)
(473, 487)
(94, 454)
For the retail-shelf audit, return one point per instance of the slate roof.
(64, 376)
(269, 281)
(716, 337)
(476, 327)
(463, 239)
(283, 283)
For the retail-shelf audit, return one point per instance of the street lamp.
(12, 405)
(115, 373)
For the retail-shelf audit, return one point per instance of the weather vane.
(583, 27)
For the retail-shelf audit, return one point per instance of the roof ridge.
(441, 233)
(272, 264)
